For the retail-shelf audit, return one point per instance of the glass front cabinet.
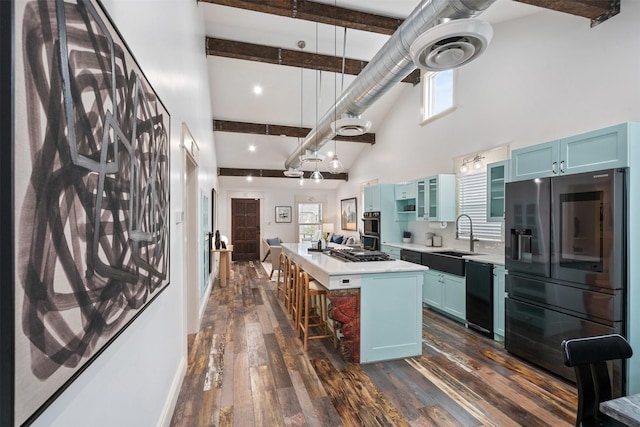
(497, 174)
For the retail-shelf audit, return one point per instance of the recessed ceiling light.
(252, 148)
(329, 153)
(249, 178)
(257, 90)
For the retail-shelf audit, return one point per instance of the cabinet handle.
(553, 167)
(562, 166)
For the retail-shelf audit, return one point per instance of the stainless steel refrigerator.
(566, 260)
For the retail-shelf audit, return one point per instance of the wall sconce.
(476, 161)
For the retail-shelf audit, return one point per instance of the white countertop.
(323, 266)
(497, 259)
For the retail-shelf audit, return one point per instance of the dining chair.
(589, 357)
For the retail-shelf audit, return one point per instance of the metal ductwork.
(388, 67)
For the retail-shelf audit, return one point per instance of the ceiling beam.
(292, 58)
(274, 173)
(292, 131)
(318, 12)
(596, 10)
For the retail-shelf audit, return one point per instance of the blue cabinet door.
(432, 289)
(601, 149)
(454, 296)
(497, 174)
(537, 161)
(372, 198)
(499, 295)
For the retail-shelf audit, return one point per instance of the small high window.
(438, 90)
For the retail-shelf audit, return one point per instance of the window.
(309, 220)
(472, 200)
(438, 91)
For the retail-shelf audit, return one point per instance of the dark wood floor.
(246, 367)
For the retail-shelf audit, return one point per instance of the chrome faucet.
(471, 239)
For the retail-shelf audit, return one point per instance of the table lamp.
(327, 229)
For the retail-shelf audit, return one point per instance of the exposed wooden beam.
(292, 131)
(596, 10)
(292, 58)
(318, 12)
(274, 173)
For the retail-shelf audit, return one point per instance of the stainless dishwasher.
(479, 297)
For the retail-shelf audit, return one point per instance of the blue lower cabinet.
(499, 295)
(446, 293)
(392, 251)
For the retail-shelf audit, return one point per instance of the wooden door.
(245, 229)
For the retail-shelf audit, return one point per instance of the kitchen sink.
(446, 261)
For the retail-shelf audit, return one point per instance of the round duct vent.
(451, 44)
(293, 173)
(351, 126)
(311, 156)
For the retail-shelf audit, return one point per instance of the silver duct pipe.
(389, 66)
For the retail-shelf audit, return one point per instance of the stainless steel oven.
(566, 261)
(371, 235)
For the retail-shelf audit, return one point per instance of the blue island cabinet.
(606, 148)
(390, 316)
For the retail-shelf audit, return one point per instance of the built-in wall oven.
(371, 234)
(566, 260)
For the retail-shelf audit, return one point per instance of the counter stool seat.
(312, 308)
(280, 284)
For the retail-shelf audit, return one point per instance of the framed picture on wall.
(283, 213)
(90, 205)
(349, 214)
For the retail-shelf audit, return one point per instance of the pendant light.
(301, 45)
(335, 165)
(316, 175)
(296, 172)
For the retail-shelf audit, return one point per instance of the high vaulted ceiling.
(248, 48)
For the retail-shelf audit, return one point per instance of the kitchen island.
(377, 303)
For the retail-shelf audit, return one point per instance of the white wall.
(130, 383)
(272, 196)
(543, 77)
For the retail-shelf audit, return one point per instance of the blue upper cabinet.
(534, 162)
(372, 198)
(497, 176)
(405, 194)
(436, 198)
(600, 149)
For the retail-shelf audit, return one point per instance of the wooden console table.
(225, 264)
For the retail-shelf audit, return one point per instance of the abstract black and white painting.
(90, 197)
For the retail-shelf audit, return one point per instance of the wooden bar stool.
(312, 307)
(280, 285)
(289, 285)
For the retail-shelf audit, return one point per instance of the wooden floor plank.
(246, 367)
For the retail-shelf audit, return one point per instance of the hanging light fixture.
(296, 172)
(335, 165)
(316, 175)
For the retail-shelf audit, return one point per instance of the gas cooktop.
(352, 255)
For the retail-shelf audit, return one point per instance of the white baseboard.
(174, 392)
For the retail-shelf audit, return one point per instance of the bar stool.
(280, 286)
(289, 285)
(312, 305)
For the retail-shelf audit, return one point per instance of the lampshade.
(327, 227)
(317, 176)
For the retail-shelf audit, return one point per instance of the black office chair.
(589, 356)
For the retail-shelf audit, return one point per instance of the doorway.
(245, 229)
(191, 252)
